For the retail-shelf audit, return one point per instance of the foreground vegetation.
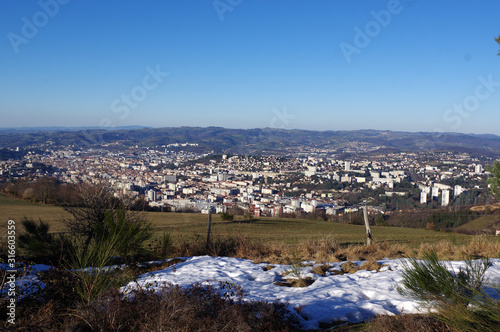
(103, 232)
(67, 304)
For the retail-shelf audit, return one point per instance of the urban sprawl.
(260, 185)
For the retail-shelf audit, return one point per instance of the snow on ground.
(25, 278)
(331, 298)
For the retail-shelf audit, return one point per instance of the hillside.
(263, 141)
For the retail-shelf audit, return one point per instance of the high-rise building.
(457, 190)
(434, 192)
(423, 197)
(151, 195)
(445, 198)
(347, 166)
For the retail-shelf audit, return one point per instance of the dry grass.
(371, 265)
(478, 246)
(320, 249)
(16, 209)
(405, 323)
(325, 250)
(173, 308)
(321, 269)
(295, 282)
(349, 267)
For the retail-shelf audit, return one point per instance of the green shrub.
(165, 244)
(38, 244)
(494, 179)
(461, 300)
(226, 216)
(88, 261)
(128, 236)
(433, 282)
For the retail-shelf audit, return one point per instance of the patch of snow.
(332, 298)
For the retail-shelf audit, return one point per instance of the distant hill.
(259, 141)
(60, 128)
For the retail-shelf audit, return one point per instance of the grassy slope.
(292, 231)
(483, 222)
(17, 209)
(289, 231)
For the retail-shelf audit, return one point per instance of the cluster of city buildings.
(261, 185)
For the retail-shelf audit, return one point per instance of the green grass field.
(291, 231)
(17, 210)
(490, 222)
(288, 231)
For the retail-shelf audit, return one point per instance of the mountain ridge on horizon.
(261, 140)
(27, 129)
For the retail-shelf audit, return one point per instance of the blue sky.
(322, 65)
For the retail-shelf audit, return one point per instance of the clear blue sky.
(252, 64)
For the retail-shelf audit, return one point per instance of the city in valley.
(174, 177)
(233, 165)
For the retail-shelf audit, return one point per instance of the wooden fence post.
(209, 226)
(369, 239)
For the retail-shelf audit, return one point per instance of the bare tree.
(95, 202)
(45, 188)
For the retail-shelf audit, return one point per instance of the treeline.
(49, 190)
(441, 219)
(446, 219)
(46, 190)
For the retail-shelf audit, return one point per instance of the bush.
(433, 282)
(88, 261)
(226, 216)
(172, 308)
(130, 236)
(42, 246)
(460, 298)
(162, 246)
(494, 179)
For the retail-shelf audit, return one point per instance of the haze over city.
(387, 65)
